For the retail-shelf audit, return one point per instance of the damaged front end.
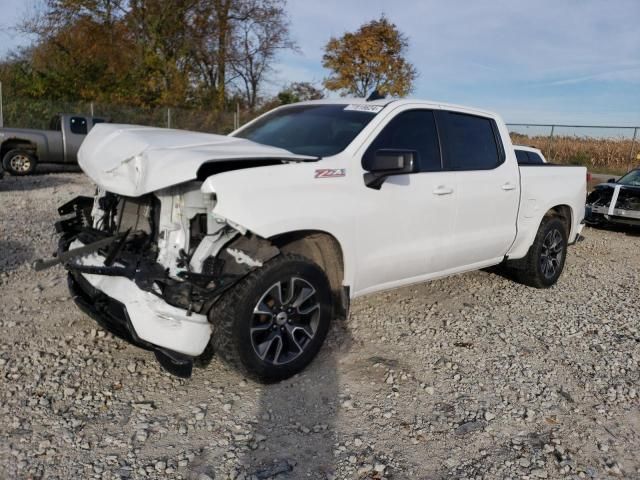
(149, 268)
(613, 204)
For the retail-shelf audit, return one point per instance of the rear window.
(535, 158)
(526, 157)
(78, 125)
(471, 142)
(522, 157)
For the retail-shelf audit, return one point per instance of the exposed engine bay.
(169, 243)
(611, 203)
(167, 246)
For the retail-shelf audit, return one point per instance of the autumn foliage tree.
(372, 58)
(147, 53)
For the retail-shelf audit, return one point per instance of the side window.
(522, 157)
(55, 123)
(471, 142)
(78, 125)
(534, 158)
(412, 130)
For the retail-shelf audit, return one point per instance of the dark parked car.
(615, 202)
(21, 149)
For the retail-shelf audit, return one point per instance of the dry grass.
(607, 155)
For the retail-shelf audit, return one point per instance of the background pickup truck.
(21, 149)
(253, 242)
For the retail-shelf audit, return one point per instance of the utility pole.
(1, 112)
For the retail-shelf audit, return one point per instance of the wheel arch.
(564, 213)
(528, 227)
(18, 143)
(325, 250)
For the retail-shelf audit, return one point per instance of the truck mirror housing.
(385, 163)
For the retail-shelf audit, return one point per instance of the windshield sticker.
(330, 172)
(364, 108)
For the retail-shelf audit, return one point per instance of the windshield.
(631, 179)
(315, 130)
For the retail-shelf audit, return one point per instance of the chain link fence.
(600, 148)
(29, 113)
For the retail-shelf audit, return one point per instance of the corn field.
(607, 155)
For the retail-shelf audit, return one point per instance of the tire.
(252, 333)
(19, 162)
(545, 259)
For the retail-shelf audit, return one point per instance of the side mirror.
(611, 180)
(385, 163)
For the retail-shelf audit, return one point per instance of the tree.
(372, 58)
(149, 52)
(299, 92)
(82, 48)
(257, 41)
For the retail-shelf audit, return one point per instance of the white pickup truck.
(248, 245)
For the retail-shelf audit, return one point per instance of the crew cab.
(21, 148)
(251, 243)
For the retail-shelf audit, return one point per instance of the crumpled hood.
(134, 160)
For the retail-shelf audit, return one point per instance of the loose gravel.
(469, 377)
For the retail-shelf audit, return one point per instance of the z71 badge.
(330, 172)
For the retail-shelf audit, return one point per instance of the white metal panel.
(153, 319)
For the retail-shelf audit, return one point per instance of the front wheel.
(19, 162)
(273, 323)
(545, 259)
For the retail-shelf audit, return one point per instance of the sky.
(532, 61)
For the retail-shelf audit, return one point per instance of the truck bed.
(543, 187)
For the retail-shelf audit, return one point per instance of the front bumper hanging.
(113, 280)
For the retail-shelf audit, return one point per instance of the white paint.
(242, 258)
(364, 108)
(133, 160)
(404, 233)
(152, 318)
(614, 199)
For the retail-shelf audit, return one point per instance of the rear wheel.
(545, 259)
(273, 323)
(19, 162)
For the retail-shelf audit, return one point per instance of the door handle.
(442, 190)
(508, 186)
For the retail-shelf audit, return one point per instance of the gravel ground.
(469, 377)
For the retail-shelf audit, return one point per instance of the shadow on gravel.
(13, 255)
(502, 271)
(54, 168)
(630, 230)
(32, 182)
(297, 419)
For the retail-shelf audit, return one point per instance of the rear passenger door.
(488, 187)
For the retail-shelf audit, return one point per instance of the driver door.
(405, 228)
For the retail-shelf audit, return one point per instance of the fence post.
(633, 146)
(1, 111)
(553, 127)
(168, 117)
(91, 109)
